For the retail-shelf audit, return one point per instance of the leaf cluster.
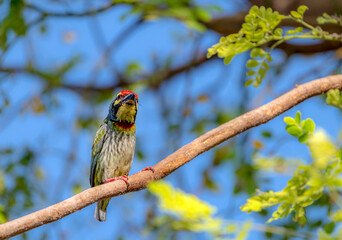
(303, 130)
(326, 18)
(334, 98)
(275, 164)
(260, 25)
(185, 212)
(309, 182)
(260, 29)
(258, 65)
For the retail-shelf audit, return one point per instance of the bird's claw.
(148, 168)
(145, 169)
(123, 178)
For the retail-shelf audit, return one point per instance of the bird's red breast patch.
(124, 125)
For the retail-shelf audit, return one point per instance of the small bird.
(113, 146)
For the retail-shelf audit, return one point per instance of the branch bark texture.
(177, 159)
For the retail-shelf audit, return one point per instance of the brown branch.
(172, 162)
(309, 49)
(75, 14)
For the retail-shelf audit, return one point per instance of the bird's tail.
(100, 212)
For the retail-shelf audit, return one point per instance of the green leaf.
(326, 18)
(247, 27)
(304, 138)
(258, 35)
(258, 80)
(296, 14)
(300, 215)
(336, 216)
(320, 20)
(298, 117)
(262, 73)
(269, 58)
(254, 11)
(262, 11)
(301, 220)
(248, 82)
(228, 59)
(302, 9)
(326, 15)
(334, 98)
(278, 32)
(294, 31)
(289, 121)
(250, 73)
(266, 134)
(2, 215)
(77, 189)
(329, 228)
(316, 32)
(251, 63)
(209, 182)
(257, 52)
(308, 125)
(294, 130)
(265, 65)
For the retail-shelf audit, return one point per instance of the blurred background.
(62, 62)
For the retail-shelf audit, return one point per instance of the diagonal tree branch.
(172, 162)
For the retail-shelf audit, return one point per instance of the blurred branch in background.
(46, 13)
(153, 79)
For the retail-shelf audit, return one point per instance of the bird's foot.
(148, 168)
(145, 169)
(123, 178)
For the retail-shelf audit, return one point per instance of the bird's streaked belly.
(116, 156)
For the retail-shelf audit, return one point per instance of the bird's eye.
(120, 96)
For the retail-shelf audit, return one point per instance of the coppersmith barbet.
(113, 146)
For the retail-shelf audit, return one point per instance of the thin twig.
(46, 13)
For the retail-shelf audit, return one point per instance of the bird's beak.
(130, 99)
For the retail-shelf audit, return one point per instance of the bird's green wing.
(96, 149)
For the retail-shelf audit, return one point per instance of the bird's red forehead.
(124, 92)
